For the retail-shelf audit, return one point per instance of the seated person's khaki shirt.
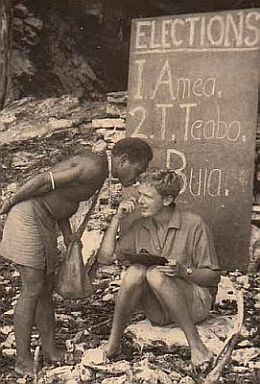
(188, 240)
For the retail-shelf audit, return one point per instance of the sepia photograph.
(129, 192)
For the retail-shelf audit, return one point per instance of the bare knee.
(135, 275)
(154, 277)
(157, 279)
(33, 282)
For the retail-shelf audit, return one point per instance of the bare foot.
(24, 367)
(201, 360)
(111, 350)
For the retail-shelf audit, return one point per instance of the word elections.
(233, 29)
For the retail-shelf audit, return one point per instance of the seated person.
(181, 291)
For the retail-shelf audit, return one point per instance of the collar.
(175, 220)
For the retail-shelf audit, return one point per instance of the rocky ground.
(36, 134)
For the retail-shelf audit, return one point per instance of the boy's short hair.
(137, 150)
(165, 181)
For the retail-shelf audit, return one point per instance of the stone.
(7, 120)
(21, 381)
(33, 118)
(116, 380)
(91, 241)
(116, 109)
(245, 343)
(240, 369)
(111, 135)
(187, 380)
(244, 281)
(81, 348)
(21, 10)
(94, 357)
(108, 297)
(175, 376)
(8, 352)
(63, 317)
(54, 124)
(226, 290)
(86, 374)
(144, 373)
(12, 187)
(117, 97)
(254, 365)
(72, 344)
(244, 355)
(65, 373)
(69, 345)
(108, 270)
(99, 147)
(6, 329)
(34, 22)
(213, 332)
(9, 341)
(116, 123)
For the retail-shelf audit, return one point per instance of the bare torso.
(63, 202)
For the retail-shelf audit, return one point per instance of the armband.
(52, 180)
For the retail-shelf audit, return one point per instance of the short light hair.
(164, 180)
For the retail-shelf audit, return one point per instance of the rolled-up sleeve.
(203, 253)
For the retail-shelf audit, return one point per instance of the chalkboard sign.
(192, 93)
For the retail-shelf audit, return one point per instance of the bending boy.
(30, 236)
(180, 292)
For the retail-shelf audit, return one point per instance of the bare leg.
(173, 293)
(127, 300)
(45, 321)
(152, 307)
(32, 284)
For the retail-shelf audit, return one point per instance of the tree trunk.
(5, 48)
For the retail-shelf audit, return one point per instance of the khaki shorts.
(199, 301)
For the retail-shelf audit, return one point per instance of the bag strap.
(82, 227)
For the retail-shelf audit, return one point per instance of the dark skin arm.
(66, 231)
(41, 184)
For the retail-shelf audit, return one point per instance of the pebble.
(86, 375)
(21, 381)
(94, 356)
(108, 297)
(6, 329)
(9, 313)
(8, 352)
(187, 380)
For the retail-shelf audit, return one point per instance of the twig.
(99, 324)
(224, 355)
